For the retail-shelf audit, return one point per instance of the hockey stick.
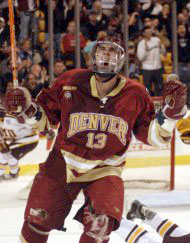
(26, 143)
(13, 43)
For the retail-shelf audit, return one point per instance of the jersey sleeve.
(146, 115)
(50, 101)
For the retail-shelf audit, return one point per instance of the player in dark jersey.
(97, 111)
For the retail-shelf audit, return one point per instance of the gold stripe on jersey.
(135, 235)
(22, 239)
(3, 166)
(82, 165)
(94, 174)
(114, 92)
(165, 227)
(156, 135)
(13, 166)
(78, 162)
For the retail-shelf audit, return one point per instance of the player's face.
(106, 57)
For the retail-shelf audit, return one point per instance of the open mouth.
(106, 64)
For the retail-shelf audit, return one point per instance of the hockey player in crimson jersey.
(97, 111)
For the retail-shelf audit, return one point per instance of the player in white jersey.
(131, 232)
(16, 140)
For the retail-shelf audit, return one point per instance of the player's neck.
(105, 88)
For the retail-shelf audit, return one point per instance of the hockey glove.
(174, 100)
(183, 127)
(18, 102)
(185, 137)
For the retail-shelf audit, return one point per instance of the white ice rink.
(174, 205)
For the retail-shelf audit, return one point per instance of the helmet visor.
(107, 57)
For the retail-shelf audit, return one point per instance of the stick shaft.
(13, 146)
(13, 42)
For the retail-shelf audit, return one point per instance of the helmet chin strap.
(105, 77)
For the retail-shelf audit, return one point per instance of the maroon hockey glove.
(174, 100)
(18, 103)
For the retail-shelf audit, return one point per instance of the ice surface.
(174, 205)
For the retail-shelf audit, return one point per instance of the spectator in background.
(107, 6)
(40, 73)
(33, 84)
(63, 12)
(159, 32)
(185, 12)
(6, 70)
(181, 19)
(101, 18)
(92, 27)
(165, 19)
(4, 31)
(149, 51)
(88, 48)
(117, 11)
(68, 13)
(28, 21)
(113, 27)
(88, 3)
(147, 22)
(36, 69)
(152, 7)
(133, 61)
(24, 58)
(59, 68)
(183, 53)
(44, 56)
(68, 43)
(25, 52)
(4, 39)
(184, 57)
(134, 26)
(136, 19)
(4, 10)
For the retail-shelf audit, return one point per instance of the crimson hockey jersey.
(94, 133)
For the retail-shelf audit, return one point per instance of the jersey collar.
(114, 92)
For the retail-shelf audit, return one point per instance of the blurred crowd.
(150, 39)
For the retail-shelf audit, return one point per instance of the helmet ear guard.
(108, 66)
